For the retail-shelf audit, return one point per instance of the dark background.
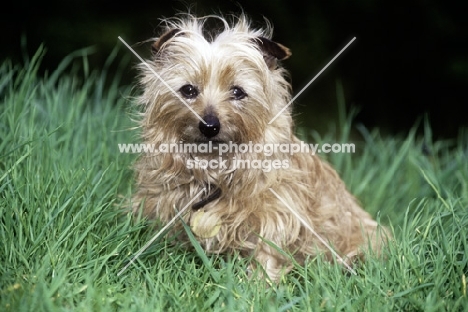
(409, 60)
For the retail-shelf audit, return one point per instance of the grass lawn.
(63, 238)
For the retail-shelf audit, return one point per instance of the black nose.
(211, 127)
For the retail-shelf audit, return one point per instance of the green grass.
(63, 239)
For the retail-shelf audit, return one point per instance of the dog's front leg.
(274, 264)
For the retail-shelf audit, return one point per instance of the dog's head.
(222, 84)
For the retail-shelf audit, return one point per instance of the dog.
(224, 86)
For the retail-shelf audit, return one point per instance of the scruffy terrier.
(223, 86)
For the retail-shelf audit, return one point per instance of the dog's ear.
(163, 39)
(272, 51)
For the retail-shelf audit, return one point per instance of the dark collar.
(214, 195)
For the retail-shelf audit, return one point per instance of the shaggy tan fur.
(237, 79)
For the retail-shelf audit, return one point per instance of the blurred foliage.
(408, 60)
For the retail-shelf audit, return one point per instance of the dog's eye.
(238, 93)
(189, 91)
